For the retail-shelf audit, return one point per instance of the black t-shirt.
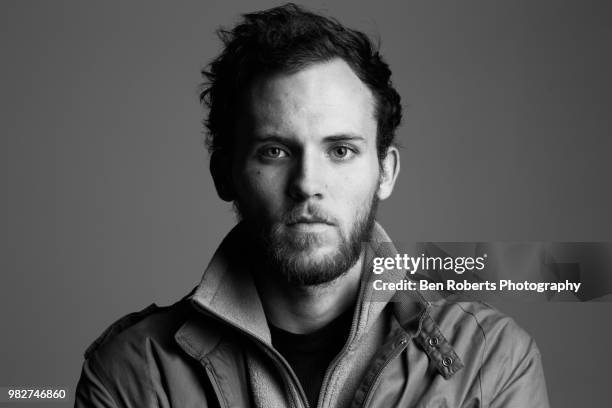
(310, 354)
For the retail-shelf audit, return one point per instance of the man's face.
(305, 170)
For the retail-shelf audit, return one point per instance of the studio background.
(107, 204)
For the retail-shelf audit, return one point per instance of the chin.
(308, 242)
(314, 256)
(314, 266)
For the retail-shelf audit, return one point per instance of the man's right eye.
(273, 152)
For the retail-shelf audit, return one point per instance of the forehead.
(322, 99)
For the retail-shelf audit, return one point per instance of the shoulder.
(483, 336)
(119, 326)
(128, 364)
(127, 343)
(477, 319)
(497, 354)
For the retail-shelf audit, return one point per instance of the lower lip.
(310, 226)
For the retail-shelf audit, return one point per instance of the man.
(301, 122)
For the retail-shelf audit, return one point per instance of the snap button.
(447, 361)
(433, 341)
(403, 342)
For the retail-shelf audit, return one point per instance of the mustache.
(310, 213)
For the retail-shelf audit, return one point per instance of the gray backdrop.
(107, 204)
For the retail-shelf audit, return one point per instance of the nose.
(306, 179)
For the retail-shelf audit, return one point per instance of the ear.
(389, 172)
(221, 171)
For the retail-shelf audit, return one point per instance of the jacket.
(405, 349)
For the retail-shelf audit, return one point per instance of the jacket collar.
(227, 290)
(228, 294)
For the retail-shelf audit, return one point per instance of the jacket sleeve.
(515, 372)
(91, 391)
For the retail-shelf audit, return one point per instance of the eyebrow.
(340, 137)
(344, 137)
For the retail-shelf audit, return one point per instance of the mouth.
(308, 220)
(309, 224)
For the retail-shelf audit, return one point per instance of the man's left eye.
(342, 152)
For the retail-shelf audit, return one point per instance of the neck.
(304, 309)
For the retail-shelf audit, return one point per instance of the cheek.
(354, 194)
(257, 189)
(360, 184)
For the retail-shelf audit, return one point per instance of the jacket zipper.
(279, 359)
(329, 371)
(333, 365)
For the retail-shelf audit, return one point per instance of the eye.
(273, 152)
(342, 152)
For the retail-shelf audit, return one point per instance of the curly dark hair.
(286, 39)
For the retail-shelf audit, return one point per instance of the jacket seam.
(213, 373)
(530, 353)
(103, 373)
(203, 358)
(484, 336)
(149, 371)
(103, 377)
(424, 314)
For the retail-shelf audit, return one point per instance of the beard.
(289, 256)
